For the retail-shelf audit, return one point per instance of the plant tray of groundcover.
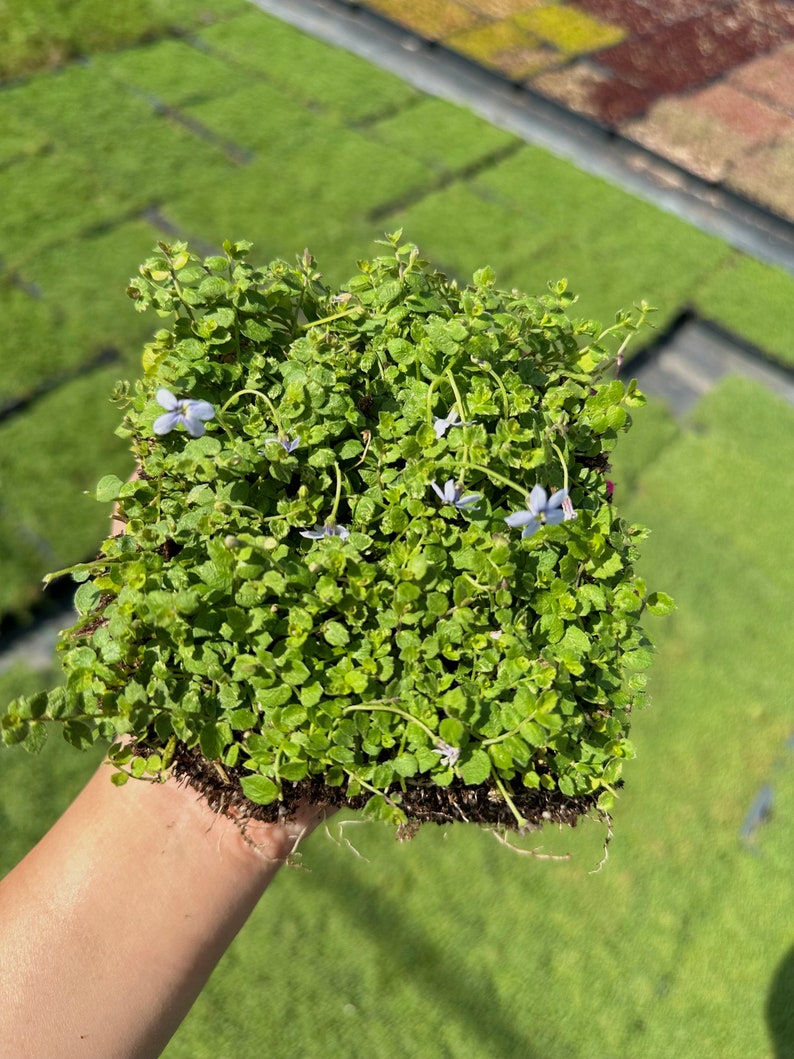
(370, 556)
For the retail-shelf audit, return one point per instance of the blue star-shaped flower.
(287, 443)
(451, 494)
(441, 426)
(541, 509)
(183, 410)
(330, 529)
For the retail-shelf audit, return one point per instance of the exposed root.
(342, 825)
(528, 852)
(607, 840)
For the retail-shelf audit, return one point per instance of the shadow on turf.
(780, 1008)
(412, 954)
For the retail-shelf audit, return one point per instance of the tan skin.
(112, 924)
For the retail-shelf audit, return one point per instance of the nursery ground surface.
(679, 945)
(244, 128)
(211, 120)
(706, 85)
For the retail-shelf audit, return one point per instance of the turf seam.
(448, 179)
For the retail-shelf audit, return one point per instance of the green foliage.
(329, 79)
(292, 595)
(50, 32)
(54, 522)
(735, 294)
(467, 141)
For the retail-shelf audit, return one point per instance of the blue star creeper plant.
(292, 613)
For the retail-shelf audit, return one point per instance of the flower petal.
(165, 423)
(531, 528)
(519, 518)
(451, 492)
(201, 409)
(440, 427)
(439, 490)
(537, 499)
(316, 534)
(193, 425)
(166, 399)
(554, 518)
(468, 501)
(557, 498)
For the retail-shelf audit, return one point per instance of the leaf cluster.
(408, 642)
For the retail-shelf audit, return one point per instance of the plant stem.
(338, 495)
(366, 707)
(510, 803)
(330, 319)
(500, 478)
(563, 465)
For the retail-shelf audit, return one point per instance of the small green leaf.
(660, 603)
(108, 488)
(475, 767)
(336, 634)
(259, 789)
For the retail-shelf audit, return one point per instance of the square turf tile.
(571, 30)
(315, 74)
(433, 19)
(595, 93)
(770, 77)
(500, 8)
(441, 135)
(504, 46)
(749, 120)
(767, 175)
(172, 71)
(690, 53)
(691, 138)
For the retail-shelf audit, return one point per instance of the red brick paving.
(708, 84)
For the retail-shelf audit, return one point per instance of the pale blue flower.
(183, 410)
(287, 443)
(330, 529)
(451, 494)
(448, 754)
(441, 426)
(541, 509)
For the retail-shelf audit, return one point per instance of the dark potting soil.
(422, 803)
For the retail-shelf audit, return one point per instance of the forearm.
(112, 924)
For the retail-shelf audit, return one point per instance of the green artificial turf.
(84, 282)
(173, 72)
(260, 119)
(468, 142)
(50, 456)
(333, 81)
(140, 156)
(49, 33)
(48, 199)
(756, 301)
